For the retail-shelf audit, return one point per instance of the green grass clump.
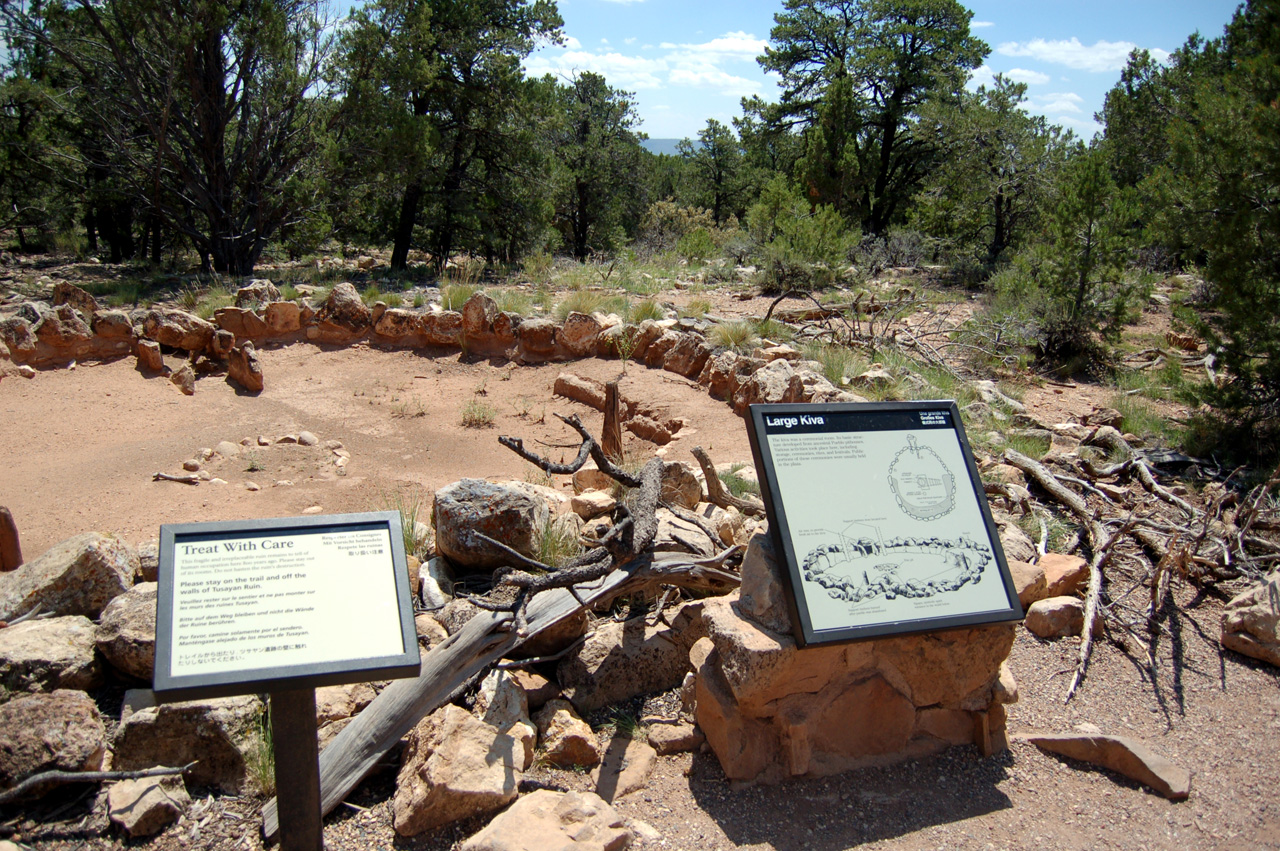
(512, 301)
(739, 335)
(478, 414)
(647, 309)
(1141, 418)
(454, 296)
(737, 485)
(261, 757)
(579, 301)
(408, 505)
(837, 361)
(696, 308)
(557, 542)
(1033, 446)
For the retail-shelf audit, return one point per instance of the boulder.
(680, 485)
(579, 334)
(148, 805)
(621, 660)
(1029, 580)
(1063, 574)
(485, 329)
(688, 356)
(625, 768)
(537, 338)
(538, 690)
(149, 357)
(68, 293)
(219, 735)
(1251, 621)
(243, 323)
(244, 368)
(593, 503)
(342, 319)
(567, 740)
(716, 372)
(502, 513)
(441, 329)
(333, 703)
(454, 766)
(223, 342)
(112, 325)
(1015, 543)
(1121, 754)
(49, 654)
(502, 704)
(546, 820)
(60, 731)
(283, 317)
(177, 329)
(185, 379)
(399, 325)
(762, 596)
(675, 737)
(16, 333)
(677, 535)
(655, 354)
(63, 327)
(78, 576)
(256, 293)
(1056, 617)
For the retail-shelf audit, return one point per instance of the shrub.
(478, 414)
(696, 246)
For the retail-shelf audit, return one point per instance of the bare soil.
(80, 447)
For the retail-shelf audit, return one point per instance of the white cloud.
(1098, 57)
(631, 40)
(979, 25)
(705, 65)
(571, 43)
(1057, 102)
(1031, 78)
(604, 41)
(983, 75)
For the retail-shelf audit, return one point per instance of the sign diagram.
(923, 485)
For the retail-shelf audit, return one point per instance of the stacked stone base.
(771, 710)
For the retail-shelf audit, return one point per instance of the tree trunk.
(404, 225)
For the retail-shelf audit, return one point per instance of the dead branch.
(47, 779)
(716, 494)
(165, 477)
(1108, 437)
(1093, 595)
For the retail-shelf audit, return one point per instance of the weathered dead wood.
(483, 640)
(611, 435)
(716, 494)
(38, 783)
(165, 477)
(1108, 437)
(1092, 600)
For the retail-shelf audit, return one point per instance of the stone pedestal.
(771, 710)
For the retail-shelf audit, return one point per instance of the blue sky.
(690, 60)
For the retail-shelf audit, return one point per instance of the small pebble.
(252, 486)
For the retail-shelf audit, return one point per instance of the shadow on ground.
(847, 810)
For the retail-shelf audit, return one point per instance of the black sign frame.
(169, 688)
(858, 418)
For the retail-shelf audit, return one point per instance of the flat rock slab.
(626, 768)
(546, 820)
(1122, 755)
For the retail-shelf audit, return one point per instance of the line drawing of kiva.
(860, 568)
(922, 483)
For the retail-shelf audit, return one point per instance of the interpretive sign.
(265, 605)
(879, 513)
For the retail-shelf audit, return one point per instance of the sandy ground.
(80, 447)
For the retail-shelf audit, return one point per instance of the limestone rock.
(222, 344)
(148, 561)
(149, 357)
(1015, 543)
(242, 323)
(399, 325)
(579, 334)
(503, 513)
(675, 534)
(217, 734)
(126, 633)
(178, 329)
(148, 805)
(546, 820)
(763, 597)
(430, 631)
(454, 766)
(715, 373)
(1063, 574)
(435, 584)
(283, 317)
(677, 737)
(593, 503)
(257, 292)
(567, 740)
(1123, 755)
(621, 660)
(343, 318)
(680, 486)
(625, 769)
(502, 704)
(590, 477)
(688, 356)
(65, 328)
(44, 732)
(1056, 617)
(538, 690)
(112, 325)
(441, 329)
(537, 339)
(50, 654)
(78, 576)
(1029, 580)
(185, 379)
(334, 703)
(244, 368)
(65, 292)
(1251, 621)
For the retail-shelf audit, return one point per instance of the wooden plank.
(293, 735)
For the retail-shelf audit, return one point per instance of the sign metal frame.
(1000, 604)
(276, 678)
